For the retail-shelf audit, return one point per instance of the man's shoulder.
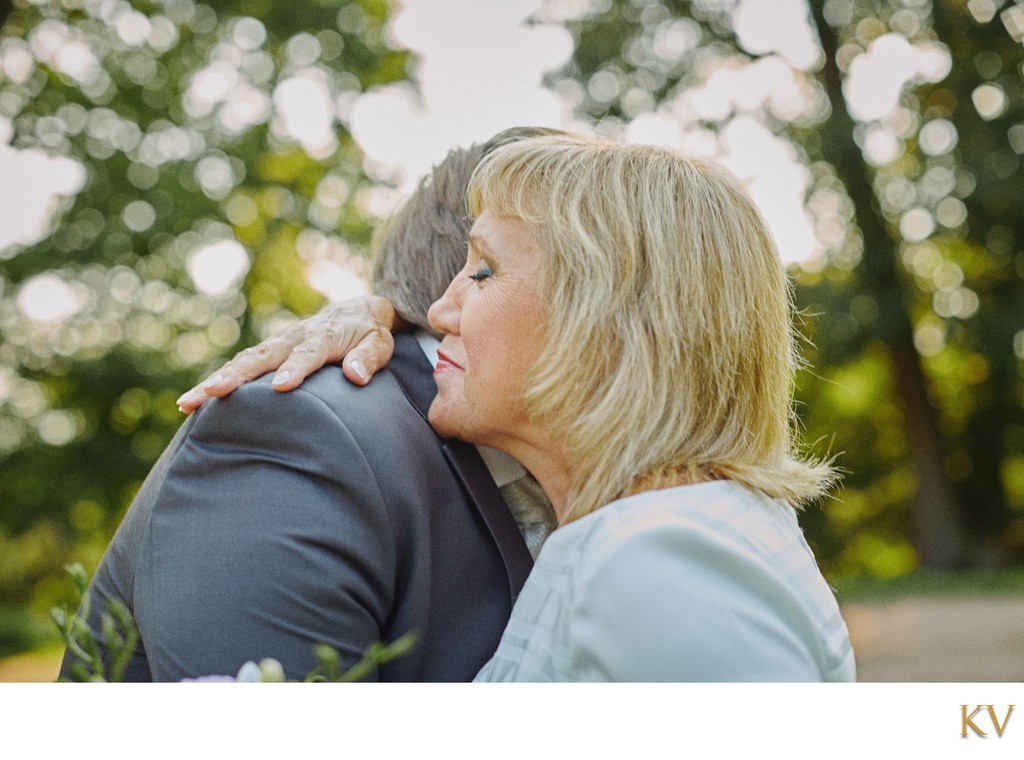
(324, 398)
(402, 389)
(328, 419)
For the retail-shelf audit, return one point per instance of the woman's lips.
(445, 363)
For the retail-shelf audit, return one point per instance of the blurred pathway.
(31, 667)
(938, 639)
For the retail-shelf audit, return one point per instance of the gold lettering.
(995, 721)
(968, 722)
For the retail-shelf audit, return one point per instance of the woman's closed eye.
(483, 271)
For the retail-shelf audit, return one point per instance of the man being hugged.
(334, 513)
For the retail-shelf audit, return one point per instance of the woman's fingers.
(246, 365)
(253, 362)
(327, 340)
(361, 325)
(191, 400)
(369, 355)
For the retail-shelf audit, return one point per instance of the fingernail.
(186, 397)
(359, 369)
(181, 409)
(281, 377)
(215, 380)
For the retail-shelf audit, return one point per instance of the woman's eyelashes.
(483, 271)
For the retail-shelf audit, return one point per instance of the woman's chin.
(446, 421)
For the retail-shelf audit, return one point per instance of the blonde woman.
(622, 327)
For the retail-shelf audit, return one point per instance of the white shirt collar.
(503, 468)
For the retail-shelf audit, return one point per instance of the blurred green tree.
(215, 168)
(915, 305)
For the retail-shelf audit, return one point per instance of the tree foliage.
(182, 120)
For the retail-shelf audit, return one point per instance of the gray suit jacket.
(332, 513)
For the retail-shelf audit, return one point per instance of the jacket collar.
(412, 370)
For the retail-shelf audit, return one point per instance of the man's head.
(423, 245)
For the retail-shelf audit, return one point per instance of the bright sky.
(29, 183)
(481, 70)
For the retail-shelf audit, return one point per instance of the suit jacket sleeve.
(267, 534)
(115, 576)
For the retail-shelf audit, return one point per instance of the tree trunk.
(6, 6)
(939, 535)
(937, 524)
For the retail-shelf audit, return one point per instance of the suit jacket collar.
(412, 370)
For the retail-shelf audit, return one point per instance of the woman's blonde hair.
(671, 351)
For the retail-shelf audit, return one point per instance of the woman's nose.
(444, 313)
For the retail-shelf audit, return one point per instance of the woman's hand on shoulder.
(356, 332)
